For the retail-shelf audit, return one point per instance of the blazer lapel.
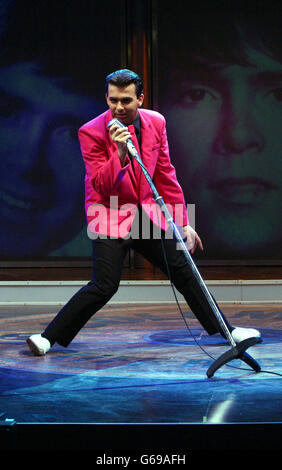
(110, 143)
(147, 139)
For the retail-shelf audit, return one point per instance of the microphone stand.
(237, 351)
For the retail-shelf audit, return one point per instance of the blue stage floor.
(138, 364)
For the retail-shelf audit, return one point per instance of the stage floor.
(139, 364)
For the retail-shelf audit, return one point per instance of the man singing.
(112, 174)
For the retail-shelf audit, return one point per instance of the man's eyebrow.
(11, 98)
(268, 76)
(125, 98)
(213, 74)
(206, 75)
(10, 102)
(206, 71)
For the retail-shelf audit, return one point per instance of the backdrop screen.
(216, 75)
(217, 72)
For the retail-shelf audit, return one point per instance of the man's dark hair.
(124, 77)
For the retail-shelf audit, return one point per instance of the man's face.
(225, 135)
(41, 169)
(123, 102)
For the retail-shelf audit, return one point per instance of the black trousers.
(108, 260)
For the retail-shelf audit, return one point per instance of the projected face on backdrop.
(227, 129)
(224, 123)
(47, 92)
(41, 169)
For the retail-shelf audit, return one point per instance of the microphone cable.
(185, 321)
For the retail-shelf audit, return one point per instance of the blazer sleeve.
(103, 170)
(166, 182)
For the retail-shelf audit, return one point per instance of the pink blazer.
(113, 192)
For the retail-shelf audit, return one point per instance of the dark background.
(54, 59)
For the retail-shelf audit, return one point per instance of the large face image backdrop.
(219, 86)
(216, 76)
(53, 61)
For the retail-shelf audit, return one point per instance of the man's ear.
(141, 99)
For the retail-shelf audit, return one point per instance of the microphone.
(129, 143)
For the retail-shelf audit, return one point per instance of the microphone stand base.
(237, 352)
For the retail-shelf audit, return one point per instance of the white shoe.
(239, 334)
(38, 345)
